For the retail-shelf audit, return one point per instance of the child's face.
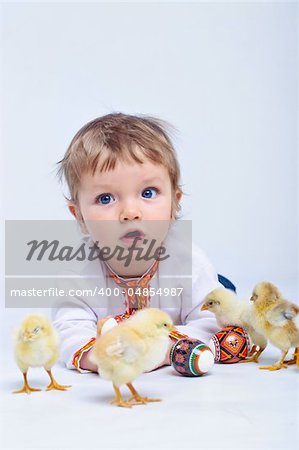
(130, 196)
(131, 191)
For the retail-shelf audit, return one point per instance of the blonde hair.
(116, 137)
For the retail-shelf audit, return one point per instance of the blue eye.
(149, 193)
(104, 199)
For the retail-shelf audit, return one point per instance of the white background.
(224, 74)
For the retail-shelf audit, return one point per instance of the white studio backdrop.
(224, 74)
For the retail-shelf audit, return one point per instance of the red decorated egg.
(230, 345)
(191, 357)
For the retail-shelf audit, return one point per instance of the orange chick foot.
(121, 402)
(290, 362)
(274, 367)
(56, 386)
(252, 359)
(118, 399)
(253, 350)
(294, 360)
(26, 389)
(137, 400)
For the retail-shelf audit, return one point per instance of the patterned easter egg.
(191, 357)
(230, 345)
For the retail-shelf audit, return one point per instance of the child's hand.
(85, 364)
(101, 323)
(167, 361)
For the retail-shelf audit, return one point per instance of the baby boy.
(123, 175)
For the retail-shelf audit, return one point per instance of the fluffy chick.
(231, 311)
(36, 345)
(136, 345)
(278, 320)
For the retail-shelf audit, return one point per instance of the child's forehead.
(145, 170)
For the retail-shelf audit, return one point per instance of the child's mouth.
(132, 235)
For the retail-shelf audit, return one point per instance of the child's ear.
(178, 195)
(75, 211)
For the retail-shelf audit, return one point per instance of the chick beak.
(204, 307)
(171, 328)
(27, 336)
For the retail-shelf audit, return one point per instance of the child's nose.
(130, 212)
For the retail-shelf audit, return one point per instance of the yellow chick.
(231, 311)
(36, 345)
(134, 346)
(278, 320)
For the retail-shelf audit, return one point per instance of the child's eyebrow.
(107, 186)
(152, 180)
(104, 186)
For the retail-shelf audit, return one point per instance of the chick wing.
(126, 346)
(282, 313)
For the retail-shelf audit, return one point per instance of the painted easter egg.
(191, 357)
(230, 345)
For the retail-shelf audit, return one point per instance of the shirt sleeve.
(196, 323)
(75, 315)
(76, 323)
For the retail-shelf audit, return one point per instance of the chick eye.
(210, 303)
(105, 199)
(150, 193)
(165, 324)
(36, 330)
